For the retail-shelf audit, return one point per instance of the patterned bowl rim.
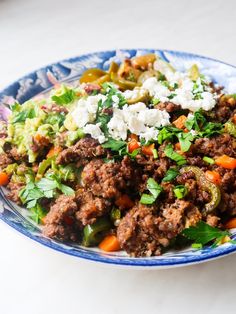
(87, 254)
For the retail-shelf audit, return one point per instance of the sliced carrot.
(4, 178)
(177, 146)
(226, 162)
(133, 145)
(110, 244)
(213, 176)
(179, 123)
(234, 119)
(148, 150)
(54, 151)
(124, 202)
(43, 220)
(230, 224)
(133, 137)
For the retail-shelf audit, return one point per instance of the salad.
(139, 158)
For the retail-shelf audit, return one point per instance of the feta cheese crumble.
(139, 120)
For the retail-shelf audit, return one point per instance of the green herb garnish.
(203, 233)
(180, 191)
(209, 160)
(171, 174)
(154, 188)
(170, 153)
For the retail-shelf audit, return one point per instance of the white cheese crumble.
(184, 95)
(138, 119)
(85, 110)
(95, 132)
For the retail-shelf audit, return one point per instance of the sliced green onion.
(209, 160)
(155, 101)
(180, 191)
(155, 154)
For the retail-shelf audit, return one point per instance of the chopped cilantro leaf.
(114, 145)
(171, 174)
(203, 233)
(170, 153)
(23, 115)
(64, 95)
(154, 188)
(185, 140)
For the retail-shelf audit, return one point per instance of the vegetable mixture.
(140, 158)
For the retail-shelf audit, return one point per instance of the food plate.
(70, 70)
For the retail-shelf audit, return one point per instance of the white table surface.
(37, 280)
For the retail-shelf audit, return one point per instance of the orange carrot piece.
(230, 224)
(110, 244)
(124, 202)
(148, 150)
(4, 178)
(133, 145)
(54, 151)
(177, 146)
(133, 137)
(213, 176)
(226, 162)
(179, 123)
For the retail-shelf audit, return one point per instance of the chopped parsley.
(185, 140)
(171, 174)
(64, 95)
(204, 129)
(23, 115)
(167, 133)
(154, 188)
(203, 233)
(170, 153)
(114, 145)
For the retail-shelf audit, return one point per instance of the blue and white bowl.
(70, 70)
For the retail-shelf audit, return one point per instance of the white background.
(37, 280)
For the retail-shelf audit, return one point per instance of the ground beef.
(38, 144)
(54, 108)
(13, 152)
(212, 220)
(60, 222)
(168, 106)
(90, 207)
(177, 216)
(109, 179)
(14, 190)
(143, 233)
(224, 109)
(90, 88)
(5, 160)
(138, 232)
(86, 148)
(157, 167)
(215, 146)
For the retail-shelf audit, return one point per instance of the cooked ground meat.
(168, 106)
(17, 156)
(177, 216)
(60, 222)
(138, 232)
(143, 233)
(109, 179)
(3, 129)
(5, 160)
(90, 88)
(86, 148)
(90, 207)
(216, 146)
(14, 190)
(157, 167)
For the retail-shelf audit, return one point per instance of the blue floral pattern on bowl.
(70, 70)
